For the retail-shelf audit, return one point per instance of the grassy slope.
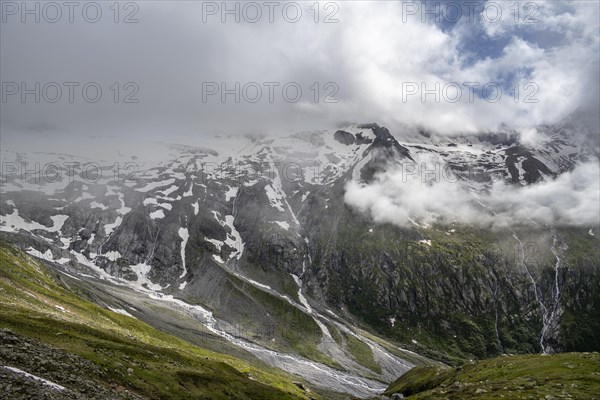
(164, 367)
(362, 353)
(567, 375)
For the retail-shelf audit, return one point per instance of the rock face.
(344, 137)
(254, 227)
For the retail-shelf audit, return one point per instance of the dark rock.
(344, 137)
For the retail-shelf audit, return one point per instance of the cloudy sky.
(353, 61)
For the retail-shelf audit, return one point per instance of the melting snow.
(47, 255)
(149, 200)
(231, 193)
(218, 244)
(168, 191)
(141, 270)
(157, 214)
(36, 378)
(282, 224)
(304, 196)
(14, 222)
(95, 204)
(189, 192)
(64, 273)
(154, 185)
(109, 228)
(166, 206)
(236, 242)
(120, 311)
(184, 235)
(113, 255)
(304, 302)
(274, 198)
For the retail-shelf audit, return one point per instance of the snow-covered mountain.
(255, 238)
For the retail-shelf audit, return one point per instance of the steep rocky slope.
(253, 236)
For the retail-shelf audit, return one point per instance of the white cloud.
(370, 53)
(398, 197)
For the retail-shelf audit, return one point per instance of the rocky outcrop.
(344, 137)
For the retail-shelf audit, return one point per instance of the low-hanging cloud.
(370, 53)
(402, 199)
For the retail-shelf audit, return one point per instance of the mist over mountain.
(299, 200)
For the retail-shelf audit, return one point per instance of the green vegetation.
(295, 330)
(128, 352)
(463, 293)
(581, 318)
(362, 353)
(568, 375)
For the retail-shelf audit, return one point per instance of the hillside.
(89, 351)
(558, 376)
(275, 250)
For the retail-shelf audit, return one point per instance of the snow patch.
(283, 224)
(189, 192)
(142, 270)
(166, 206)
(14, 222)
(149, 200)
(158, 214)
(231, 193)
(60, 308)
(45, 382)
(168, 191)
(184, 235)
(218, 243)
(304, 196)
(236, 242)
(274, 198)
(120, 311)
(155, 185)
(95, 204)
(113, 255)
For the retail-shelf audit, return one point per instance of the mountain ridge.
(258, 233)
